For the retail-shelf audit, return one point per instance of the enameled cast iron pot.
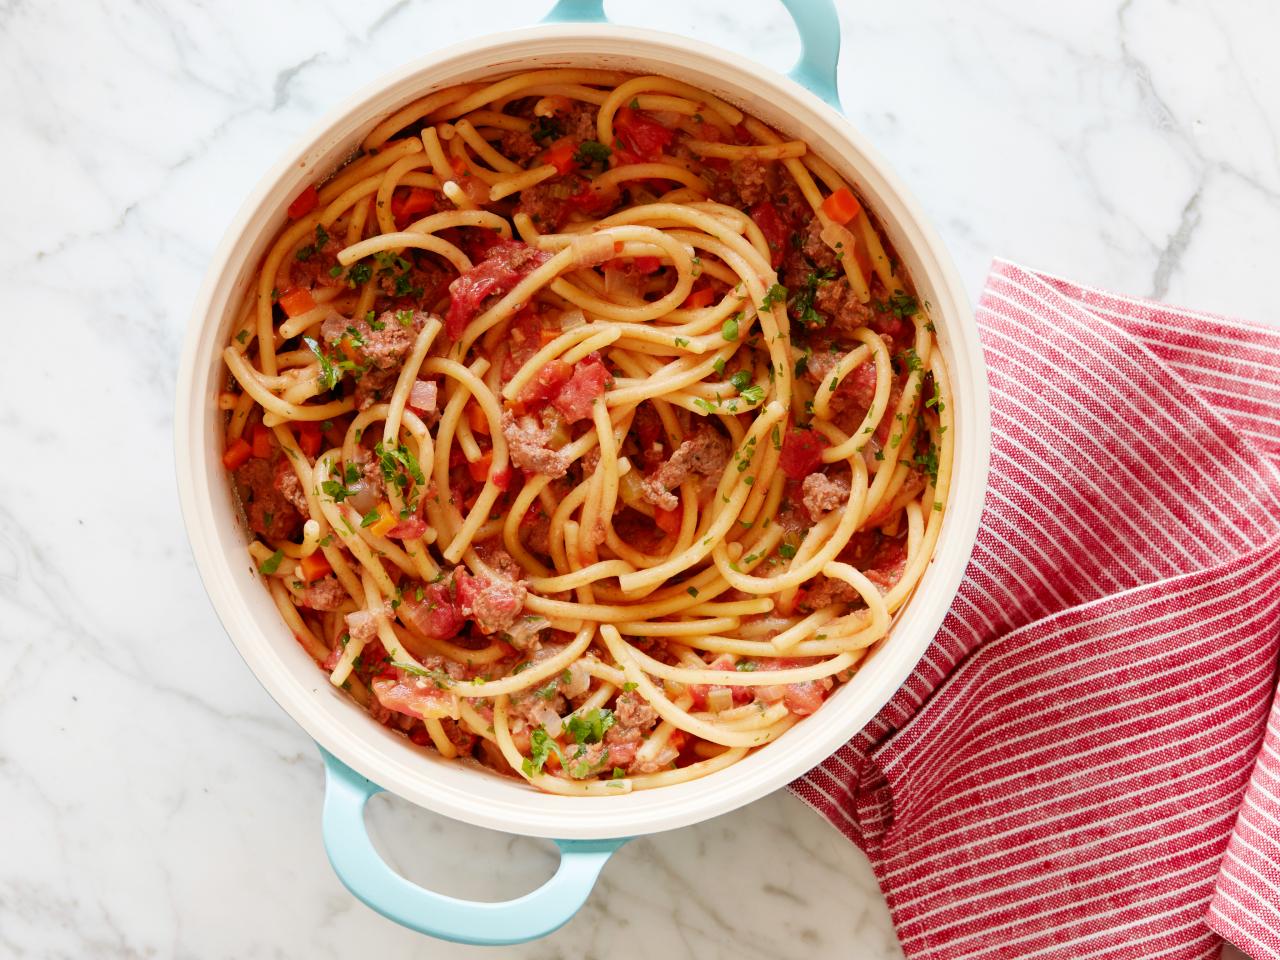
(362, 757)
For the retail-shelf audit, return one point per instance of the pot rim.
(478, 796)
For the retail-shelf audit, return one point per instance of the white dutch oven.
(363, 757)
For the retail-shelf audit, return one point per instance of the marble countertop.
(157, 802)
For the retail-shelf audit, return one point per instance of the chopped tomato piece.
(699, 297)
(436, 615)
(408, 202)
(641, 134)
(669, 520)
(547, 334)
(297, 301)
(413, 696)
(842, 206)
(804, 698)
(479, 469)
(561, 156)
(801, 453)
(304, 202)
(590, 201)
(589, 379)
(476, 419)
(501, 479)
(545, 384)
(775, 231)
(237, 454)
(309, 436)
(506, 264)
(261, 442)
(315, 566)
(410, 529)
(648, 264)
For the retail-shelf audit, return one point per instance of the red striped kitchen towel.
(1086, 763)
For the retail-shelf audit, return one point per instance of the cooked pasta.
(586, 428)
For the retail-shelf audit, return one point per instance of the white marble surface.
(156, 802)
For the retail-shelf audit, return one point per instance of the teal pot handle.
(815, 20)
(366, 874)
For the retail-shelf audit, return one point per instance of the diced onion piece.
(361, 497)
(572, 318)
(547, 718)
(631, 490)
(719, 698)
(621, 283)
(579, 680)
(592, 250)
(838, 238)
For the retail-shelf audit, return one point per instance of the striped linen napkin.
(1086, 763)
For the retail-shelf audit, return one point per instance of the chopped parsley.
(746, 666)
(802, 304)
(692, 591)
(441, 679)
(927, 462)
(775, 294)
(544, 130)
(903, 305)
(335, 490)
(592, 153)
(730, 329)
(911, 359)
(370, 518)
(590, 727)
(541, 746)
(741, 379)
(786, 551)
(272, 563)
(719, 366)
(329, 374)
(753, 394)
(400, 468)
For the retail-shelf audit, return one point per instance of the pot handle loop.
(816, 21)
(363, 871)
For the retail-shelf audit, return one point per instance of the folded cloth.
(1086, 762)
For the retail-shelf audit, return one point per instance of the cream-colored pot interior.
(458, 790)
